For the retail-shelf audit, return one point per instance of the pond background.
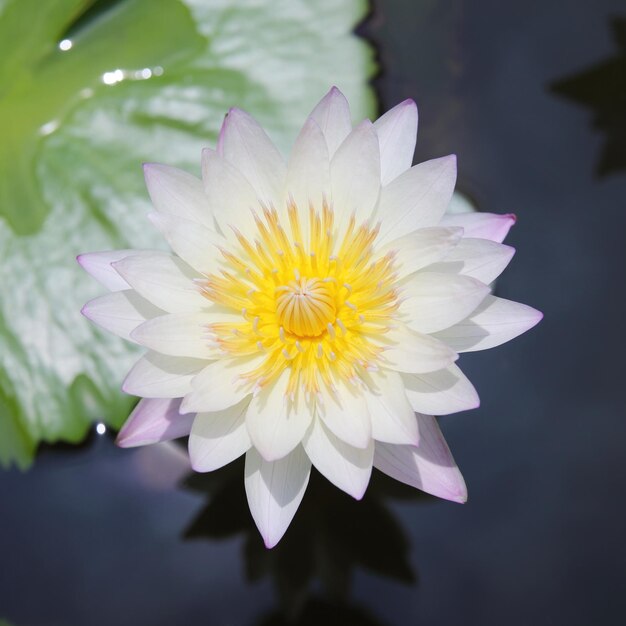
(96, 535)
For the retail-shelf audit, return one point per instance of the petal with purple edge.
(428, 466)
(153, 420)
(120, 312)
(274, 490)
(245, 144)
(98, 265)
(482, 225)
(332, 113)
(494, 322)
(397, 131)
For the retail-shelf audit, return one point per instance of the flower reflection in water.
(323, 548)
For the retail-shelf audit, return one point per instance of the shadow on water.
(602, 88)
(331, 537)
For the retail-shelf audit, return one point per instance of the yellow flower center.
(311, 300)
(305, 307)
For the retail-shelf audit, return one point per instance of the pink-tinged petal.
(332, 114)
(421, 248)
(406, 350)
(440, 393)
(166, 281)
(397, 131)
(274, 490)
(160, 376)
(218, 438)
(433, 301)
(416, 199)
(153, 420)
(197, 245)
(231, 197)
(120, 312)
(308, 173)
(478, 258)
(355, 176)
(482, 225)
(428, 466)
(178, 193)
(275, 422)
(244, 144)
(219, 385)
(494, 322)
(98, 265)
(393, 418)
(346, 467)
(180, 334)
(345, 414)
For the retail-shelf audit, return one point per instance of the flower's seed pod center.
(305, 306)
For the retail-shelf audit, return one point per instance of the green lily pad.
(88, 91)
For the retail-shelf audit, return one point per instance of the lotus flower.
(312, 310)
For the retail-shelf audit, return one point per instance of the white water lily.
(312, 311)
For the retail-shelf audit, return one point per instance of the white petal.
(98, 265)
(276, 423)
(177, 193)
(120, 312)
(274, 490)
(346, 467)
(346, 415)
(440, 393)
(482, 225)
(396, 130)
(355, 176)
(434, 301)
(416, 199)
(193, 243)
(308, 174)
(393, 418)
(159, 376)
(217, 438)
(479, 258)
(180, 334)
(231, 197)
(429, 466)
(406, 350)
(494, 322)
(332, 114)
(421, 248)
(218, 386)
(244, 144)
(154, 420)
(164, 280)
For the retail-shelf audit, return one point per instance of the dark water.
(521, 92)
